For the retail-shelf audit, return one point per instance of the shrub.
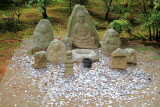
(11, 25)
(120, 25)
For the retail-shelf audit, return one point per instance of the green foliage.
(118, 8)
(95, 23)
(120, 25)
(157, 4)
(11, 25)
(155, 19)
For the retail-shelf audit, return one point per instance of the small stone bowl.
(87, 62)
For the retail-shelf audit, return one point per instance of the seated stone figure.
(81, 29)
(110, 42)
(82, 35)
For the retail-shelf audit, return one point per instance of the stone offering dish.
(79, 54)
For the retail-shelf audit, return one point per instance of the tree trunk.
(108, 11)
(44, 13)
(157, 35)
(81, 2)
(70, 7)
(150, 34)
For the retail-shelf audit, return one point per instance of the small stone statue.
(43, 35)
(68, 43)
(118, 59)
(56, 52)
(110, 42)
(69, 64)
(40, 59)
(81, 29)
(131, 56)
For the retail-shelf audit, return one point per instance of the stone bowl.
(79, 54)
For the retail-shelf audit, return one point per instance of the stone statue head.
(81, 17)
(43, 26)
(56, 46)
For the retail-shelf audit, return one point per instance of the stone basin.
(79, 54)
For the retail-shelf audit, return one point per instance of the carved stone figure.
(118, 59)
(68, 43)
(40, 59)
(110, 42)
(69, 64)
(43, 35)
(81, 29)
(56, 52)
(131, 56)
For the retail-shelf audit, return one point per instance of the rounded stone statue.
(56, 52)
(111, 41)
(40, 59)
(68, 43)
(43, 35)
(81, 29)
(131, 56)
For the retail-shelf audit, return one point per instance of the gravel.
(99, 85)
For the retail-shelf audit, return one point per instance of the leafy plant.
(120, 25)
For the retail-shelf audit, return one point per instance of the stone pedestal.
(69, 64)
(40, 59)
(118, 59)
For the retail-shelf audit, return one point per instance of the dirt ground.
(16, 91)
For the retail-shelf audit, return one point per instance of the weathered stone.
(110, 42)
(56, 52)
(43, 35)
(69, 61)
(69, 64)
(69, 57)
(80, 54)
(69, 72)
(68, 43)
(118, 59)
(40, 59)
(69, 53)
(81, 29)
(131, 56)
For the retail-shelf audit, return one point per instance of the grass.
(140, 48)
(156, 58)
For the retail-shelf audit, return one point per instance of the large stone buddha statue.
(81, 29)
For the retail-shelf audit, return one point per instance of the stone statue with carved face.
(81, 29)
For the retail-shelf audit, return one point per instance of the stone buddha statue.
(82, 35)
(81, 29)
